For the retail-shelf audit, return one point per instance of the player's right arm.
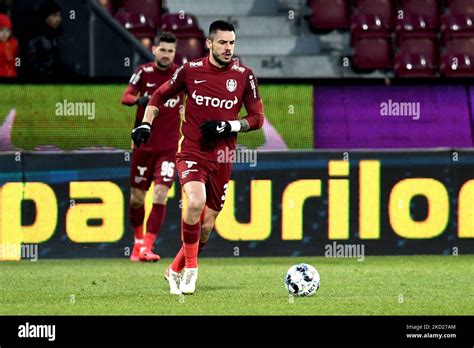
(131, 96)
(166, 91)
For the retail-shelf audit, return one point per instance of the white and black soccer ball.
(302, 280)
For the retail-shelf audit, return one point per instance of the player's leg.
(136, 215)
(192, 175)
(195, 192)
(139, 182)
(164, 173)
(207, 220)
(216, 189)
(154, 222)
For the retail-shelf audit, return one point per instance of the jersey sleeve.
(251, 93)
(172, 87)
(253, 102)
(136, 80)
(129, 96)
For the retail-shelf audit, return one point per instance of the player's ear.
(208, 44)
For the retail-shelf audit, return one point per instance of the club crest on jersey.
(231, 85)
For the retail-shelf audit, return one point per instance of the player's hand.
(215, 129)
(141, 134)
(143, 101)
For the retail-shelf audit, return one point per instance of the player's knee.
(160, 195)
(136, 200)
(196, 206)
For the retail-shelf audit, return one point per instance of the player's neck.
(161, 68)
(215, 63)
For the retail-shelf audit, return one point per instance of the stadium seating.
(403, 35)
(428, 9)
(190, 37)
(414, 65)
(180, 23)
(457, 26)
(413, 26)
(370, 36)
(143, 17)
(190, 48)
(368, 26)
(136, 23)
(462, 7)
(151, 9)
(460, 46)
(457, 65)
(378, 8)
(329, 14)
(372, 53)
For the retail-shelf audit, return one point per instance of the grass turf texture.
(287, 107)
(389, 285)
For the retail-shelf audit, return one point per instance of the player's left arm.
(254, 119)
(253, 104)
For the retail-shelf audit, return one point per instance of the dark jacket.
(43, 54)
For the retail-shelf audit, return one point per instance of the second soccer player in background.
(155, 160)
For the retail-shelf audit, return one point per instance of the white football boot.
(188, 281)
(173, 278)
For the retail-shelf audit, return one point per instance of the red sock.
(136, 216)
(191, 234)
(179, 261)
(154, 222)
(138, 234)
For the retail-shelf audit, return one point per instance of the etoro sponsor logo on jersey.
(172, 102)
(214, 102)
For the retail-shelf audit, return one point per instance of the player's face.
(54, 20)
(5, 34)
(164, 54)
(222, 46)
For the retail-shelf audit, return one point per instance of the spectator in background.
(43, 49)
(8, 48)
(5, 6)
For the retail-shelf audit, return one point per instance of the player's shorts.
(214, 175)
(148, 166)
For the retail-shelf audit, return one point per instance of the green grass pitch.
(388, 285)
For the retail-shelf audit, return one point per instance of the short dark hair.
(165, 37)
(220, 25)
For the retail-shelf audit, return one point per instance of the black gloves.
(215, 129)
(141, 134)
(143, 100)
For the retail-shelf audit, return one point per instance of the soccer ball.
(302, 280)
